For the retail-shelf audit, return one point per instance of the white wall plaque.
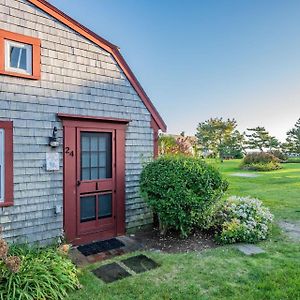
(52, 161)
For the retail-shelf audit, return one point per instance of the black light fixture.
(53, 142)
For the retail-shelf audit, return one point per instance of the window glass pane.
(94, 159)
(102, 143)
(85, 143)
(102, 173)
(94, 173)
(1, 164)
(87, 208)
(85, 159)
(94, 143)
(23, 60)
(85, 174)
(15, 54)
(102, 159)
(104, 206)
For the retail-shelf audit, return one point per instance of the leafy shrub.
(260, 161)
(179, 189)
(43, 274)
(242, 219)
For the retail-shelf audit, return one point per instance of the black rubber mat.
(100, 246)
(140, 263)
(111, 272)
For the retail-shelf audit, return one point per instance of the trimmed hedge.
(180, 190)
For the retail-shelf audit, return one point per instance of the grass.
(221, 273)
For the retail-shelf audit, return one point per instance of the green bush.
(242, 219)
(293, 160)
(260, 161)
(43, 274)
(180, 190)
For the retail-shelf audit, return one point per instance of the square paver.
(249, 249)
(140, 263)
(111, 272)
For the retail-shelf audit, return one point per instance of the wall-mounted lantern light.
(53, 142)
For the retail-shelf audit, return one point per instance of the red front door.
(93, 180)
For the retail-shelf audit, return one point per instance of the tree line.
(217, 137)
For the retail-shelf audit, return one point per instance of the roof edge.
(106, 45)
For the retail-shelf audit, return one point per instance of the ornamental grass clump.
(35, 273)
(242, 219)
(180, 190)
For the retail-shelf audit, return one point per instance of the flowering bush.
(242, 219)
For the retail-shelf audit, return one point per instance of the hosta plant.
(242, 219)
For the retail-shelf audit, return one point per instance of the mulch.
(172, 242)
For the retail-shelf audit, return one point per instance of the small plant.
(180, 189)
(242, 219)
(35, 273)
(260, 161)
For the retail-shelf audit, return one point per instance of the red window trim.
(36, 53)
(8, 157)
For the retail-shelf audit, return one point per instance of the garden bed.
(172, 243)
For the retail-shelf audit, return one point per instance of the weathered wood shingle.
(77, 77)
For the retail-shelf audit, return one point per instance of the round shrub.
(41, 274)
(260, 161)
(242, 219)
(179, 189)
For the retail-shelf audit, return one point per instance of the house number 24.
(69, 152)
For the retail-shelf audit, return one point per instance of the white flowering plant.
(242, 219)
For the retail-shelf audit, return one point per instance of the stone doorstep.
(81, 260)
(249, 249)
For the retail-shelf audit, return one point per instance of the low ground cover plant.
(180, 190)
(35, 273)
(260, 161)
(241, 219)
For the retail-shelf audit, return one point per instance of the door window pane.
(105, 206)
(96, 155)
(87, 208)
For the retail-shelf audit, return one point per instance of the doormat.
(100, 246)
(111, 272)
(140, 263)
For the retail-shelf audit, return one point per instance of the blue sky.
(201, 59)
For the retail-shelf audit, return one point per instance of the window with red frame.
(6, 163)
(19, 55)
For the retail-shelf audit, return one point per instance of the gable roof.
(109, 47)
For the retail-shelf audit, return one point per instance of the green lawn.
(222, 273)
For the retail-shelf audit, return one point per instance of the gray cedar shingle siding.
(77, 77)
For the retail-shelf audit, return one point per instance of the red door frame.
(70, 125)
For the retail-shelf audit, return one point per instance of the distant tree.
(218, 136)
(166, 144)
(232, 147)
(169, 144)
(293, 139)
(274, 144)
(258, 138)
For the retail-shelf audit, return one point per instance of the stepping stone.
(249, 249)
(248, 175)
(291, 229)
(140, 263)
(111, 272)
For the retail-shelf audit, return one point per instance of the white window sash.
(2, 179)
(24, 47)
